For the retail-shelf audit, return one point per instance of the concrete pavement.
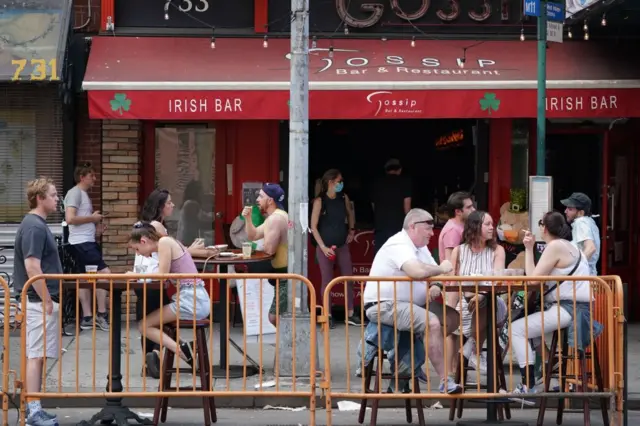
(80, 371)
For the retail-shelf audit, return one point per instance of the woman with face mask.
(332, 225)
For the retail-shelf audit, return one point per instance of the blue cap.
(276, 192)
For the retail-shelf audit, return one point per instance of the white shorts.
(36, 331)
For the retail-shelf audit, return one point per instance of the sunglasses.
(428, 222)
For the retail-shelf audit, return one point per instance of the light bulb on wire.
(346, 29)
(314, 42)
(586, 36)
(213, 37)
(461, 62)
(166, 9)
(331, 51)
(585, 27)
(522, 38)
(570, 33)
(413, 42)
(604, 20)
(265, 43)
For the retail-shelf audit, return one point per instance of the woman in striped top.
(479, 254)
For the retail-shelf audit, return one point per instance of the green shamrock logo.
(120, 103)
(490, 103)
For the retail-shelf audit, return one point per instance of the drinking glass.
(247, 248)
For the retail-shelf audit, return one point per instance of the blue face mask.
(339, 187)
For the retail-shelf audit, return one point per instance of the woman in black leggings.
(156, 208)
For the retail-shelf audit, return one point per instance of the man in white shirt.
(406, 255)
(84, 223)
(584, 231)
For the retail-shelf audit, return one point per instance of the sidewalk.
(78, 361)
(386, 417)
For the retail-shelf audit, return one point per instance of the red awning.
(184, 78)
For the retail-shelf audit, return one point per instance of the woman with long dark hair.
(479, 254)
(332, 225)
(559, 258)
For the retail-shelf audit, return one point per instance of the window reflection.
(185, 161)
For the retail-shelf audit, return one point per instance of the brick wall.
(89, 147)
(82, 15)
(121, 143)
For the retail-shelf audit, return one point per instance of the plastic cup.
(247, 248)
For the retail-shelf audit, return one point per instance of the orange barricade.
(95, 362)
(6, 329)
(403, 339)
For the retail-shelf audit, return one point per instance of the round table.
(223, 262)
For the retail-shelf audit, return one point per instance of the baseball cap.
(276, 192)
(577, 200)
(392, 163)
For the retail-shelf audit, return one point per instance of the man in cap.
(584, 231)
(391, 201)
(274, 232)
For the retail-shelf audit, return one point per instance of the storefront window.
(520, 160)
(185, 162)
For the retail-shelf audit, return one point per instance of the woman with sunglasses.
(193, 299)
(479, 254)
(332, 225)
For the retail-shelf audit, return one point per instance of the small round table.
(235, 371)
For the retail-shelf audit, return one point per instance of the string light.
(604, 20)
(586, 36)
(522, 38)
(462, 60)
(166, 10)
(413, 42)
(314, 42)
(384, 39)
(213, 38)
(346, 29)
(585, 27)
(331, 50)
(265, 43)
(570, 33)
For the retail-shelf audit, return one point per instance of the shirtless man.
(274, 231)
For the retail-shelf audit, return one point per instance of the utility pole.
(542, 88)
(298, 201)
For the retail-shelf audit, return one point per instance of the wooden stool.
(582, 375)
(203, 366)
(369, 374)
(504, 411)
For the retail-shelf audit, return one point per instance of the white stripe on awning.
(360, 85)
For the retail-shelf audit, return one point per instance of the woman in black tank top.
(332, 225)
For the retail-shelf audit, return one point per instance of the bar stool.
(583, 376)
(504, 411)
(369, 374)
(203, 367)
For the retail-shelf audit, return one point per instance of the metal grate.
(30, 144)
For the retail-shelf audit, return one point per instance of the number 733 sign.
(41, 69)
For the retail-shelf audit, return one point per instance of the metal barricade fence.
(88, 368)
(6, 349)
(514, 315)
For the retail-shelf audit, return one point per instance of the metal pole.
(542, 86)
(299, 146)
(295, 330)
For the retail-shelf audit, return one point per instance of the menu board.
(540, 201)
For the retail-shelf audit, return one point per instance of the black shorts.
(87, 254)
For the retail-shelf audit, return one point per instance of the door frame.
(147, 175)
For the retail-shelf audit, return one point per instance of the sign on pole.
(532, 7)
(555, 12)
(555, 31)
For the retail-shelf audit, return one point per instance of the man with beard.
(584, 231)
(274, 231)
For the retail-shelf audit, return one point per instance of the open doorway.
(575, 163)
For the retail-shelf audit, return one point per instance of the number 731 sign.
(41, 69)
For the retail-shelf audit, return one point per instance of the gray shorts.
(403, 316)
(200, 307)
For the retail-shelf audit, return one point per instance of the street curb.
(237, 402)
